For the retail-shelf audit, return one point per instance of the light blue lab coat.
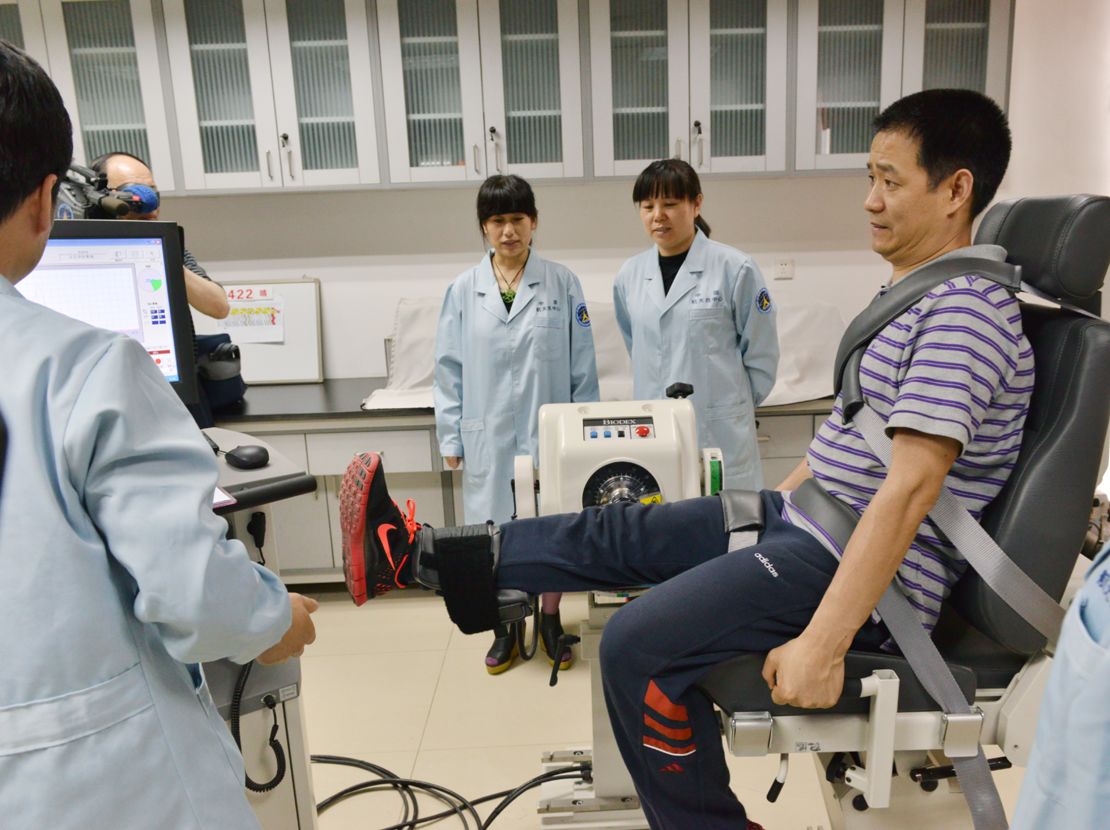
(715, 329)
(1067, 781)
(114, 575)
(496, 368)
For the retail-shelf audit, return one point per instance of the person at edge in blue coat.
(514, 334)
(695, 311)
(116, 578)
(1067, 780)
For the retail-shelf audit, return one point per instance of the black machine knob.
(680, 390)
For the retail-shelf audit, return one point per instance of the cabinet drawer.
(404, 451)
(784, 436)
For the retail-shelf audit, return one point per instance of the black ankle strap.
(464, 558)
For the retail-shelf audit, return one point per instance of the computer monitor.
(123, 276)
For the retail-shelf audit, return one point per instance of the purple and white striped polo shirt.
(955, 364)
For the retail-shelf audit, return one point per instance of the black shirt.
(669, 266)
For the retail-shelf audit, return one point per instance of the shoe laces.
(411, 525)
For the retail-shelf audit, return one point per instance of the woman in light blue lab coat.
(698, 312)
(514, 334)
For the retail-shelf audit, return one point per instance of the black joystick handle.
(680, 390)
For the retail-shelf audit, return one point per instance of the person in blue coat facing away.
(514, 334)
(116, 578)
(695, 311)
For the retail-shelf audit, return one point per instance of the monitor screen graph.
(117, 276)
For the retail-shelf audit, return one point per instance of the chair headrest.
(1062, 243)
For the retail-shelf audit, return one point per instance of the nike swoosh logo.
(383, 531)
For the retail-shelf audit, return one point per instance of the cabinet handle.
(678, 148)
(270, 164)
(289, 160)
(477, 169)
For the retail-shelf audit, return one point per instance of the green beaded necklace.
(508, 293)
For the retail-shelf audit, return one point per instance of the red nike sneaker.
(377, 537)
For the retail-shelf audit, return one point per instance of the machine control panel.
(601, 429)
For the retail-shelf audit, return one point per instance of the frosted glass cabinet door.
(323, 93)
(640, 69)
(957, 43)
(849, 69)
(737, 85)
(21, 25)
(431, 72)
(224, 95)
(532, 88)
(103, 58)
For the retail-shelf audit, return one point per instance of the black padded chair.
(1040, 517)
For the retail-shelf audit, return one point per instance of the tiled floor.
(394, 683)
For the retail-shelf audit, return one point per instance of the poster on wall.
(256, 315)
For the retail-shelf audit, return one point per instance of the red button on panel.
(643, 432)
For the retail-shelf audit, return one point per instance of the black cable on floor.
(460, 807)
(553, 775)
(408, 798)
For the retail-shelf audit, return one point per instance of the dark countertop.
(342, 398)
(336, 398)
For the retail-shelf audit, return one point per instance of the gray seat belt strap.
(997, 570)
(973, 772)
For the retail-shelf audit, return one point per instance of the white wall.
(1060, 105)
(1060, 98)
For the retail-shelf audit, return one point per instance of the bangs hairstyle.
(955, 129)
(499, 195)
(669, 179)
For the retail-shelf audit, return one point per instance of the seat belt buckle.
(749, 733)
(961, 733)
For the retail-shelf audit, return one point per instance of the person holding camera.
(126, 171)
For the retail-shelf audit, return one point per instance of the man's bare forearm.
(882, 537)
(796, 477)
(205, 296)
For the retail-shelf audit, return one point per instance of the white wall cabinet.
(273, 93)
(738, 61)
(21, 24)
(531, 87)
(699, 80)
(103, 58)
(856, 57)
(639, 59)
(957, 43)
(485, 86)
(849, 70)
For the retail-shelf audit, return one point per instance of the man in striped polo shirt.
(951, 377)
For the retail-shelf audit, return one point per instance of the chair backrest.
(1040, 517)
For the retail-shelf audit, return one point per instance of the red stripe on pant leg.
(667, 731)
(663, 704)
(652, 743)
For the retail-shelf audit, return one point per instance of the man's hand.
(452, 461)
(804, 673)
(300, 634)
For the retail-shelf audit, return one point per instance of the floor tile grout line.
(428, 713)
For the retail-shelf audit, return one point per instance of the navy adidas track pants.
(707, 605)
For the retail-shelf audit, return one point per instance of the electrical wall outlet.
(784, 269)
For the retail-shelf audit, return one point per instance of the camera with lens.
(84, 194)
